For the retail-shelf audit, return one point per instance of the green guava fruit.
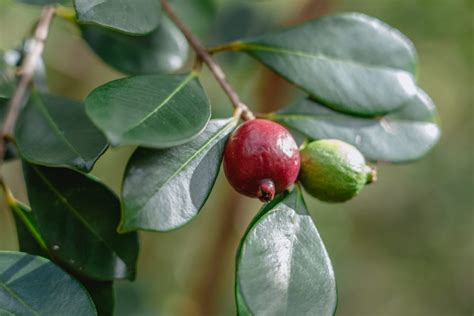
(333, 171)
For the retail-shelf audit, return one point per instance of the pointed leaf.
(351, 62)
(403, 135)
(77, 217)
(282, 265)
(30, 239)
(31, 242)
(134, 17)
(164, 50)
(32, 285)
(164, 189)
(56, 131)
(156, 111)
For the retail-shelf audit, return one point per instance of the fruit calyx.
(266, 190)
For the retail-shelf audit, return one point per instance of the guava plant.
(362, 105)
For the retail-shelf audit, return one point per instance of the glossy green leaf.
(165, 50)
(155, 111)
(31, 242)
(282, 265)
(77, 217)
(31, 285)
(350, 62)
(134, 17)
(400, 136)
(165, 188)
(55, 131)
(103, 295)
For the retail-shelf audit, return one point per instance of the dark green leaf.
(156, 111)
(32, 285)
(56, 131)
(400, 136)
(165, 50)
(350, 62)
(134, 17)
(103, 295)
(197, 14)
(165, 188)
(77, 217)
(282, 265)
(31, 242)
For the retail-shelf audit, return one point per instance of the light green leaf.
(55, 131)
(400, 136)
(133, 17)
(31, 285)
(77, 217)
(164, 50)
(164, 189)
(350, 62)
(155, 111)
(282, 265)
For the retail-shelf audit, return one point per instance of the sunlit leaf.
(165, 188)
(155, 111)
(400, 136)
(282, 265)
(350, 62)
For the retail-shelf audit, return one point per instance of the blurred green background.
(405, 246)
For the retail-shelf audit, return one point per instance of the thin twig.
(25, 73)
(216, 70)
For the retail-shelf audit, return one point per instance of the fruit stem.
(371, 175)
(232, 46)
(215, 69)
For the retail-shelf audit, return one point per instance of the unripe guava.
(333, 171)
(261, 159)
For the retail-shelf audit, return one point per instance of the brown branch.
(216, 70)
(26, 72)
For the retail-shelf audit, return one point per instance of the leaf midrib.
(75, 212)
(186, 164)
(42, 107)
(163, 103)
(286, 51)
(17, 298)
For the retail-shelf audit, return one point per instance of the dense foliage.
(359, 76)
